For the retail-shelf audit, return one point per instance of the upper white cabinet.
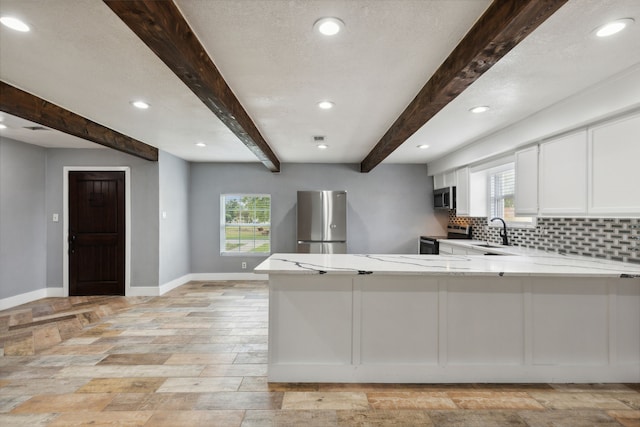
(471, 193)
(614, 153)
(443, 180)
(462, 191)
(526, 168)
(563, 175)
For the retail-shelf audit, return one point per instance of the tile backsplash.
(617, 239)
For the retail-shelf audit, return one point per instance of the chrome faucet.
(503, 232)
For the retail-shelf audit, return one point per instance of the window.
(502, 183)
(245, 224)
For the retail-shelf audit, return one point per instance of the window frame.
(224, 225)
(491, 172)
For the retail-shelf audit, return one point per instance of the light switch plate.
(55, 217)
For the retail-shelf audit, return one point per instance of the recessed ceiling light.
(613, 27)
(3, 126)
(328, 26)
(14, 24)
(200, 144)
(479, 109)
(140, 104)
(326, 105)
(423, 146)
(322, 146)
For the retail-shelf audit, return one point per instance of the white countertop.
(533, 264)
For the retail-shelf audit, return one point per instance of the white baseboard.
(27, 297)
(133, 291)
(209, 276)
(228, 276)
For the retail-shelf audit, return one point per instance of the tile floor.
(196, 357)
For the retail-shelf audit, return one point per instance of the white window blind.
(502, 190)
(502, 186)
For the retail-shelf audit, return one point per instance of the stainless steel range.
(429, 244)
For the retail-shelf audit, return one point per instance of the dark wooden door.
(96, 233)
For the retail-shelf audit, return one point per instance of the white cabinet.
(526, 169)
(462, 192)
(614, 152)
(448, 249)
(471, 193)
(563, 175)
(444, 180)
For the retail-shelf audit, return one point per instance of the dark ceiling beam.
(503, 25)
(29, 107)
(165, 31)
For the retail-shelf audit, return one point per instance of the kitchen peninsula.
(452, 318)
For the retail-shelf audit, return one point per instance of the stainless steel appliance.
(322, 222)
(429, 244)
(444, 198)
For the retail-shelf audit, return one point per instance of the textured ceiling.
(80, 56)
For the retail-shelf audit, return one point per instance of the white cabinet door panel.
(462, 192)
(563, 175)
(526, 197)
(615, 167)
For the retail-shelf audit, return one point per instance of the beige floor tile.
(78, 349)
(568, 418)
(197, 419)
(285, 418)
(123, 371)
(45, 337)
(321, 400)
(410, 400)
(64, 403)
(200, 385)
(255, 384)
(29, 387)
(135, 359)
(8, 402)
(200, 358)
(122, 385)
(22, 346)
(581, 400)
(626, 418)
(387, 418)
(494, 400)
(153, 402)
(102, 419)
(481, 418)
(27, 420)
(240, 400)
(235, 370)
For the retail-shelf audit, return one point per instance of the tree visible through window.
(245, 224)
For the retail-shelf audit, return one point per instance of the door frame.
(127, 222)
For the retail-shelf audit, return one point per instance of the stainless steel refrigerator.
(322, 222)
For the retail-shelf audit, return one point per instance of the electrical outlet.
(244, 265)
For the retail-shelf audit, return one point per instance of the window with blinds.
(245, 224)
(502, 187)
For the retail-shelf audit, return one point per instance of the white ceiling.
(81, 56)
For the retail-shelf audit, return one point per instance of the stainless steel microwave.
(444, 198)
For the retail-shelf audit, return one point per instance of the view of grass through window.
(246, 224)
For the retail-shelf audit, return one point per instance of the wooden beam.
(29, 107)
(503, 25)
(165, 31)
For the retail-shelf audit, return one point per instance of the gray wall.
(22, 218)
(388, 208)
(174, 229)
(144, 210)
